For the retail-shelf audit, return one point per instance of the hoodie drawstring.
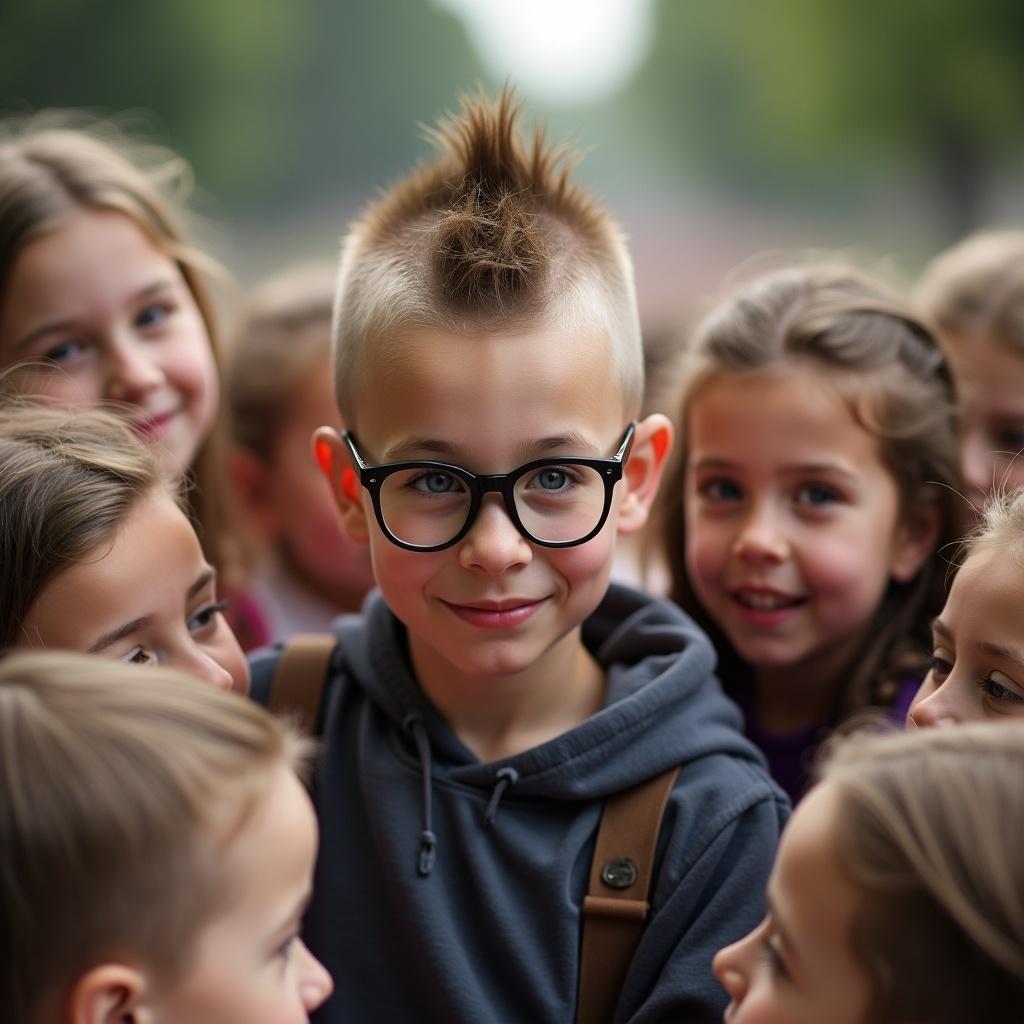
(428, 841)
(506, 777)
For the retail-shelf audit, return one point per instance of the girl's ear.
(109, 994)
(916, 539)
(332, 456)
(651, 444)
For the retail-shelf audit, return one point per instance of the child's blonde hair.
(492, 235)
(977, 288)
(929, 826)
(57, 162)
(887, 366)
(120, 788)
(68, 481)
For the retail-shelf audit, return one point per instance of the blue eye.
(153, 315)
(65, 352)
(435, 482)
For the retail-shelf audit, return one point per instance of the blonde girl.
(96, 553)
(977, 667)
(157, 850)
(102, 299)
(974, 292)
(815, 481)
(898, 892)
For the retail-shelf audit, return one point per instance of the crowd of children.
(430, 456)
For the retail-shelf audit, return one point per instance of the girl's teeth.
(765, 602)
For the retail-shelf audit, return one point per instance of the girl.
(898, 892)
(975, 294)
(977, 670)
(102, 301)
(817, 475)
(96, 554)
(302, 570)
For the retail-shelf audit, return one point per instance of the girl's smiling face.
(145, 595)
(977, 646)
(98, 314)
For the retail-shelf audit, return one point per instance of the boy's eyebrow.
(417, 446)
(120, 633)
(59, 326)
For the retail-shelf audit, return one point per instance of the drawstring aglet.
(428, 842)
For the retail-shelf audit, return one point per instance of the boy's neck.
(499, 716)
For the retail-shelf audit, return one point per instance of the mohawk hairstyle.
(493, 230)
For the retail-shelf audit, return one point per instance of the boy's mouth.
(502, 614)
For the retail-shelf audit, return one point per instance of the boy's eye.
(206, 615)
(435, 482)
(816, 495)
(720, 489)
(554, 478)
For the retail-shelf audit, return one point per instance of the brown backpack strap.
(615, 907)
(299, 679)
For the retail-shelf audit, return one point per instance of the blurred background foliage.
(746, 125)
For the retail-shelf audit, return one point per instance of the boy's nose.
(729, 966)
(132, 370)
(315, 983)
(493, 543)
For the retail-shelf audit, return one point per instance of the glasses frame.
(373, 477)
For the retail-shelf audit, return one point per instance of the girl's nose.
(731, 968)
(132, 370)
(760, 538)
(493, 543)
(315, 983)
(935, 706)
(196, 662)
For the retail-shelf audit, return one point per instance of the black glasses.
(429, 506)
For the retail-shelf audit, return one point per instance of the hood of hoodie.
(660, 683)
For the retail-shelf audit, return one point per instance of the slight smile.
(496, 614)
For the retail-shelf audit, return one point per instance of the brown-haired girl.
(898, 892)
(102, 299)
(814, 484)
(96, 554)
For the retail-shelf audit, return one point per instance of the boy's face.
(494, 603)
(248, 965)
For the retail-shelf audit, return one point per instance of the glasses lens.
(424, 506)
(560, 502)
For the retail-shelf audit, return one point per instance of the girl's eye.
(940, 665)
(992, 688)
(720, 489)
(1010, 440)
(153, 315)
(435, 482)
(65, 352)
(285, 950)
(139, 656)
(206, 615)
(816, 495)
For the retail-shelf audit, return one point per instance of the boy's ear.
(916, 538)
(109, 994)
(651, 444)
(332, 456)
(251, 481)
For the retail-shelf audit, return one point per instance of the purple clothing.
(790, 755)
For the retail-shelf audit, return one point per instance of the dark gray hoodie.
(449, 890)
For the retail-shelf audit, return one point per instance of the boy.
(496, 691)
(157, 849)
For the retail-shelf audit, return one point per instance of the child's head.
(157, 850)
(816, 479)
(97, 555)
(486, 319)
(279, 389)
(977, 670)
(101, 299)
(898, 891)
(975, 294)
